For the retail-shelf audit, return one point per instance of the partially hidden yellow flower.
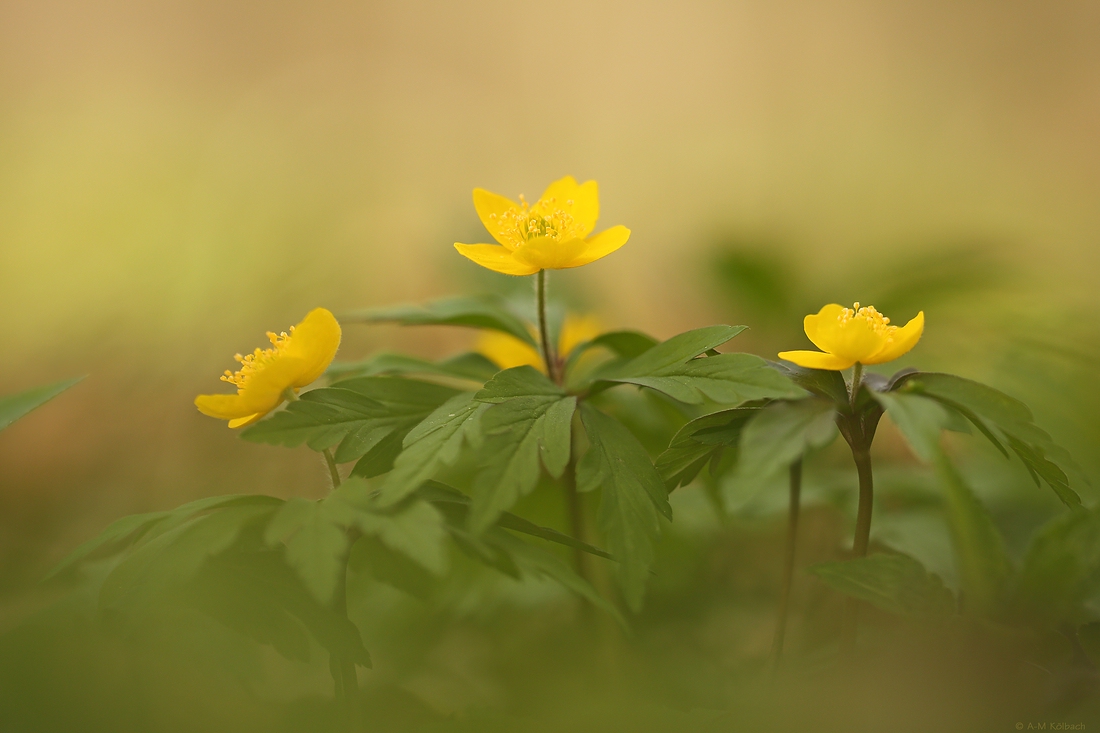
(551, 234)
(850, 335)
(294, 360)
(508, 351)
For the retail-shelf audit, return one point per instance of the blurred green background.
(177, 178)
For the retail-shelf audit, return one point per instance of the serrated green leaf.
(980, 555)
(700, 441)
(920, 420)
(895, 583)
(528, 424)
(725, 378)
(782, 432)
(455, 505)
(674, 352)
(481, 311)
(356, 415)
(435, 442)
(16, 406)
(315, 544)
(416, 531)
(1004, 421)
(175, 555)
(625, 345)
(381, 456)
(632, 498)
(1061, 570)
(538, 561)
(120, 533)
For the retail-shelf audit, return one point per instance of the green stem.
(862, 539)
(333, 473)
(576, 515)
(548, 356)
(788, 560)
(857, 382)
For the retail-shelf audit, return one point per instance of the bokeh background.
(178, 177)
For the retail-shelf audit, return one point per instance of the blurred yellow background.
(177, 178)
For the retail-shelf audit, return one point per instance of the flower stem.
(548, 356)
(788, 560)
(862, 539)
(857, 382)
(333, 474)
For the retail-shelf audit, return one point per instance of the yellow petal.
(240, 422)
(581, 201)
(497, 259)
(544, 253)
(263, 392)
(602, 245)
(491, 208)
(314, 341)
(853, 339)
(904, 339)
(575, 331)
(222, 406)
(508, 351)
(817, 360)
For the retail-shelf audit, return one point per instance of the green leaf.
(142, 527)
(255, 592)
(16, 406)
(1061, 570)
(624, 344)
(356, 415)
(470, 366)
(436, 442)
(725, 378)
(481, 311)
(983, 564)
(316, 544)
(381, 456)
(632, 498)
(782, 432)
(920, 420)
(175, 555)
(1003, 420)
(538, 561)
(455, 505)
(416, 531)
(529, 422)
(674, 352)
(701, 440)
(894, 583)
(821, 382)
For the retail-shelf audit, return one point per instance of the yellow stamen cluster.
(251, 363)
(544, 219)
(878, 322)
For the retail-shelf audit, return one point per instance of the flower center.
(544, 219)
(879, 323)
(258, 359)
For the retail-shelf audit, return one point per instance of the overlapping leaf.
(673, 368)
(469, 366)
(632, 498)
(435, 442)
(527, 425)
(780, 433)
(1006, 422)
(356, 415)
(704, 439)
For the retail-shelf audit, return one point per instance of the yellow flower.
(293, 361)
(550, 235)
(508, 351)
(850, 335)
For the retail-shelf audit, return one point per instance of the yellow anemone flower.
(294, 360)
(508, 351)
(552, 234)
(851, 335)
